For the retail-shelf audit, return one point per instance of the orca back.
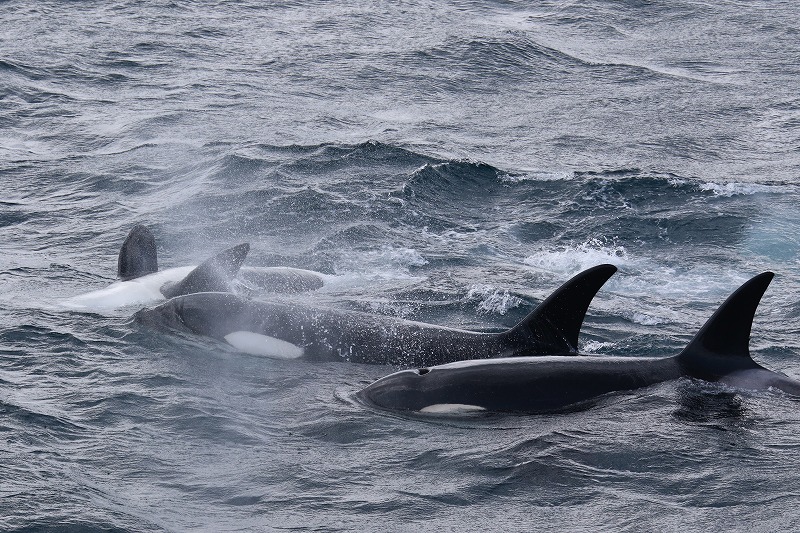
(722, 346)
(214, 275)
(554, 326)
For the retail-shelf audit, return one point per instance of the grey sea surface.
(450, 162)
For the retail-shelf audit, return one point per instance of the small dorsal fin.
(554, 326)
(724, 340)
(214, 275)
(137, 257)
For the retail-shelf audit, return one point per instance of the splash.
(644, 319)
(571, 259)
(596, 347)
(730, 189)
(388, 264)
(536, 175)
(493, 300)
(388, 261)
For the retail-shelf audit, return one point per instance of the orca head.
(399, 391)
(214, 314)
(167, 316)
(138, 256)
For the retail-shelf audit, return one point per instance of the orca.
(141, 283)
(280, 280)
(216, 273)
(719, 352)
(137, 256)
(290, 331)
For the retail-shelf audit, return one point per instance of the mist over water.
(446, 162)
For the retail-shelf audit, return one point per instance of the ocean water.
(451, 162)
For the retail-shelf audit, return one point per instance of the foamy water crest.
(644, 319)
(676, 284)
(574, 258)
(739, 189)
(492, 300)
(596, 347)
(657, 288)
(536, 175)
(388, 263)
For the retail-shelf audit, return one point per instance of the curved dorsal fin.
(724, 340)
(554, 326)
(137, 257)
(214, 275)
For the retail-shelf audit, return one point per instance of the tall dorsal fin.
(214, 275)
(137, 257)
(723, 343)
(554, 326)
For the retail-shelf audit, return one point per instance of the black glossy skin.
(718, 353)
(518, 385)
(137, 256)
(535, 385)
(281, 279)
(214, 274)
(329, 335)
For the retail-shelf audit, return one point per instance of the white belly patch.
(264, 345)
(135, 292)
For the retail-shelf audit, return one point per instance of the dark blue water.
(448, 162)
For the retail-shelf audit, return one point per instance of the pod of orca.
(719, 352)
(531, 368)
(141, 282)
(283, 330)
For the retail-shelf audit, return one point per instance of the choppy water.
(445, 161)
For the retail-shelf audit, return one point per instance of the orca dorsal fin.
(214, 275)
(137, 257)
(723, 343)
(554, 326)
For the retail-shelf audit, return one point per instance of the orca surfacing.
(290, 331)
(718, 353)
(141, 282)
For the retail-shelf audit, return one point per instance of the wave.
(729, 189)
(492, 300)
(568, 260)
(72, 525)
(470, 180)
(55, 424)
(387, 262)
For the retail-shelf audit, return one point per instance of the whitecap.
(743, 189)
(493, 300)
(575, 258)
(594, 347)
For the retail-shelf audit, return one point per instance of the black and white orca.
(142, 283)
(718, 353)
(282, 330)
